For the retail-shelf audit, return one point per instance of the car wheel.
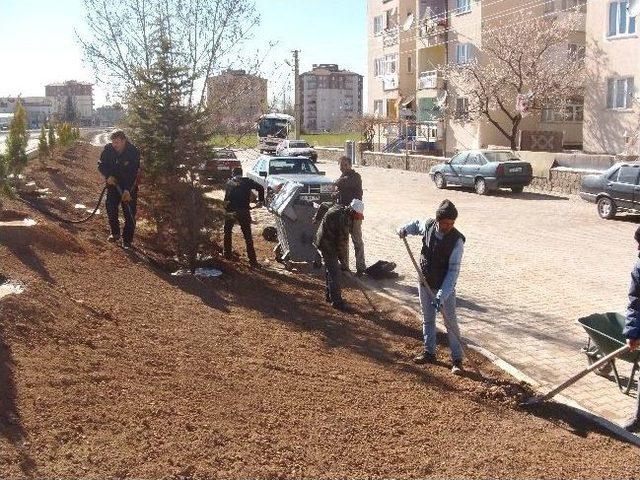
(606, 208)
(440, 181)
(517, 189)
(481, 186)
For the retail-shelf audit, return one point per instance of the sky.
(39, 45)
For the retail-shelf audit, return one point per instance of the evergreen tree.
(43, 147)
(17, 140)
(52, 137)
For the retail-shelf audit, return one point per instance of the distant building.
(109, 115)
(236, 98)
(39, 109)
(5, 120)
(72, 101)
(329, 97)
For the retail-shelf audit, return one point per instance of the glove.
(126, 196)
(437, 305)
(259, 204)
(112, 181)
(402, 233)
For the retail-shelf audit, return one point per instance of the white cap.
(357, 206)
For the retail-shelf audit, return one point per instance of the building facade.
(236, 99)
(39, 109)
(611, 108)
(411, 42)
(329, 97)
(72, 101)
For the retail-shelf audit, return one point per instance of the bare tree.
(203, 34)
(524, 66)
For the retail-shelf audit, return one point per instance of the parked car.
(219, 165)
(484, 170)
(273, 172)
(615, 190)
(296, 148)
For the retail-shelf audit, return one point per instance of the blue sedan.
(483, 170)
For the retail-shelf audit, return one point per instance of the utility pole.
(296, 85)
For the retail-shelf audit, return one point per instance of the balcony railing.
(432, 31)
(390, 36)
(429, 79)
(390, 82)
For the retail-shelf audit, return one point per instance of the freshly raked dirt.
(112, 368)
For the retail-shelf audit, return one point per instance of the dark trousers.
(243, 217)
(128, 211)
(332, 276)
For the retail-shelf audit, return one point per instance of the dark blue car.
(483, 170)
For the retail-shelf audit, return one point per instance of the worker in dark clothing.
(332, 241)
(237, 198)
(120, 165)
(349, 188)
(632, 328)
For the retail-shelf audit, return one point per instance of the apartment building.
(410, 41)
(39, 109)
(236, 98)
(71, 100)
(329, 98)
(611, 110)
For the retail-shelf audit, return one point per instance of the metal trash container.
(350, 151)
(294, 223)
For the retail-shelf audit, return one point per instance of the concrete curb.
(519, 375)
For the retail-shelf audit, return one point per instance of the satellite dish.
(408, 23)
(633, 8)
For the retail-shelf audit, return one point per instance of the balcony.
(390, 36)
(431, 79)
(390, 82)
(432, 32)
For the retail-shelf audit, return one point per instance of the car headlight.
(327, 188)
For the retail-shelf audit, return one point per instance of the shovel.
(432, 297)
(576, 377)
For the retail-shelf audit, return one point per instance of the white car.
(296, 148)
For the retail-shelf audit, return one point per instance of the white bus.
(272, 129)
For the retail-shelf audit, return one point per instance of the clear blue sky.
(39, 47)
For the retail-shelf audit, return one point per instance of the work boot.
(457, 367)
(632, 426)
(127, 245)
(424, 358)
(341, 306)
(113, 238)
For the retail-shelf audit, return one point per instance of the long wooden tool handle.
(432, 297)
(582, 373)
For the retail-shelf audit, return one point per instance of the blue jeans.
(429, 324)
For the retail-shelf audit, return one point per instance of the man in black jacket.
(119, 164)
(632, 328)
(237, 198)
(349, 187)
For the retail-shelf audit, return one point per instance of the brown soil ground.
(110, 367)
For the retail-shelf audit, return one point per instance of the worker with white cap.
(332, 240)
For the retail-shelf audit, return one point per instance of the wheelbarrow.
(605, 337)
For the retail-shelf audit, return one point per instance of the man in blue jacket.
(119, 164)
(632, 327)
(442, 249)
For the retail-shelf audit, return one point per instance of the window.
(378, 25)
(619, 22)
(474, 160)
(628, 174)
(463, 6)
(459, 159)
(620, 93)
(574, 112)
(576, 51)
(378, 67)
(377, 108)
(549, 6)
(409, 64)
(463, 53)
(390, 64)
(568, 4)
(462, 107)
(547, 114)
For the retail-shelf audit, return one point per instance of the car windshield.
(218, 154)
(283, 166)
(298, 145)
(500, 156)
